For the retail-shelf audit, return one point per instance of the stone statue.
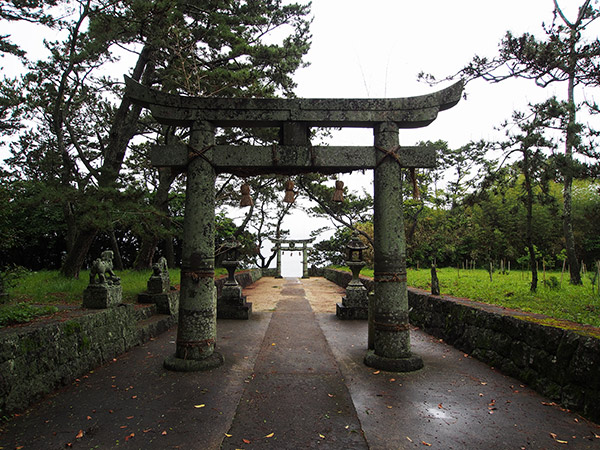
(101, 267)
(159, 290)
(160, 267)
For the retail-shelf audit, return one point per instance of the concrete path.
(293, 378)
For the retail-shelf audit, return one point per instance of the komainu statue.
(101, 267)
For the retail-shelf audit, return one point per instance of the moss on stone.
(562, 324)
(71, 327)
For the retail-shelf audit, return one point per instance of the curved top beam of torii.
(180, 110)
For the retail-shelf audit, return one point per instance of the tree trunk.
(124, 126)
(169, 251)
(71, 235)
(570, 138)
(435, 283)
(75, 259)
(146, 253)
(529, 220)
(151, 239)
(114, 246)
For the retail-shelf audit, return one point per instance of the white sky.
(376, 48)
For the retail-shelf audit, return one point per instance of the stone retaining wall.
(243, 277)
(37, 358)
(342, 278)
(561, 362)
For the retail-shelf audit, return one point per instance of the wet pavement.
(293, 378)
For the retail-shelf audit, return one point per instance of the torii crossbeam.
(203, 160)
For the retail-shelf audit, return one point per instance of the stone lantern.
(231, 260)
(231, 304)
(355, 305)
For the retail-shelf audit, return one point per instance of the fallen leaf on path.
(321, 436)
(123, 426)
(164, 433)
(88, 418)
(228, 435)
(270, 435)
(147, 431)
(440, 406)
(555, 437)
(129, 417)
(427, 444)
(392, 380)
(246, 441)
(376, 372)
(79, 435)
(199, 406)
(330, 395)
(129, 437)
(409, 439)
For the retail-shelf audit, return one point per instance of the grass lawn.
(36, 292)
(579, 304)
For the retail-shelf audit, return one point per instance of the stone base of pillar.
(408, 364)
(232, 304)
(192, 365)
(351, 312)
(101, 296)
(238, 312)
(166, 303)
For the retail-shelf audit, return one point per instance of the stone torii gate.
(203, 160)
(291, 247)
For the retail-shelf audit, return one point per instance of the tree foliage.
(76, 128)
(562, 55)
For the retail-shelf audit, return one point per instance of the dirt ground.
(318, 292)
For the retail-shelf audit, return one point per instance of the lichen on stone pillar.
(197, 328)
(389, 309)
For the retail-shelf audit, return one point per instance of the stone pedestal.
(159, 291)
(232, 304)
(166, 302)
(158, 284)
(100, 296)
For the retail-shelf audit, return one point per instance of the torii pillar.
(389, 310)
(197, 329)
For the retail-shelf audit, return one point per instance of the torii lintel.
(180, 110)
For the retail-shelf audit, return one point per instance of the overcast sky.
(377, 48)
